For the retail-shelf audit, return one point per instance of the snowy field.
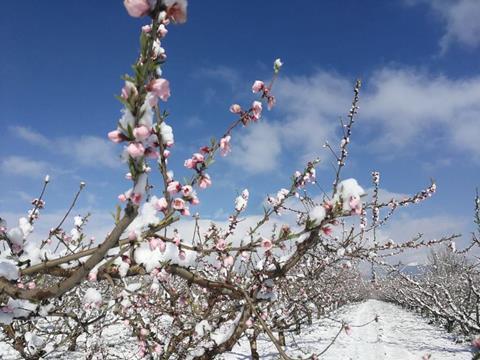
(398, 335)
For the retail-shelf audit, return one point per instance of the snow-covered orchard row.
(447, 290)
(193, 297)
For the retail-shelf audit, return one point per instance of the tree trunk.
(253, 346)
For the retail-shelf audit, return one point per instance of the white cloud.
(220, 73)
(408, 106)
(460, 18)
(309, 108)
(91, 151)
(23, 166)
(258, 149)
(384, 195)
(405, 109)
(404, 227)
(29, 135)
(85, 150)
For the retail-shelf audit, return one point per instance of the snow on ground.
(398, 335)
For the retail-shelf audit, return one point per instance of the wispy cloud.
(460, 18)
(91, 151)
(23, 166)
(221, 73)
(29, 135)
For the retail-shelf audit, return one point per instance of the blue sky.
(61, 63)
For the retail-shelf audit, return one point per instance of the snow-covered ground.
(398, 335)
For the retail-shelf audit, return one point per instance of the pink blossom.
(205, 181)
(141, 133)
(154, 243)
(129, 89)
(197, 157)
(92, 276)
(146, 28)
(194, 200)
(144, 332)
(116, 136)
(267, 244)
(166, 153)
(137, 8)
(135, 150)
(162, 246)
(228, 261)
(182, 255)
(161, 204)
(136, 198)
(177, 10)
(256, 110)
(160, 88)
(174, 187)
(348, 329)
(31, 285)
(225, 145)
(205, 149)
(185, 211)
(327, 230)
(236, 109)
(6, 309)
(158, 349)
(132, 236)
(162, 30)
(356, 205)
(122, 197)
(178, 204)
(249, 322)
(258, 86)
(189, 163)
(152, 99)
(152, 153)
(187, 191)
(476, 343)
(271, 101)
(221, 244)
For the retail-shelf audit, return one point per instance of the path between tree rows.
(398, 335)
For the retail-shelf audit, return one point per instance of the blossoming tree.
(191, 297)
